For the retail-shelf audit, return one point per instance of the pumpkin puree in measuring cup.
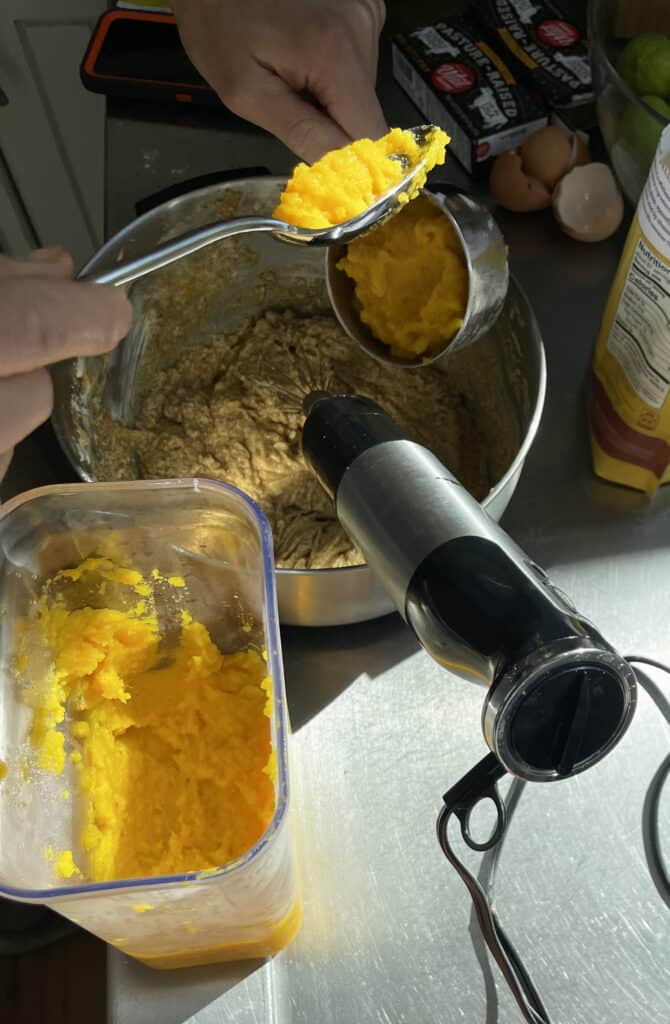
(411, 280)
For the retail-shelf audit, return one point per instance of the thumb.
(54, 257)
(347, 93)
(45, 320)
(272, 104)
(40, 263)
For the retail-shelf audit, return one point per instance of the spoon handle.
(183, 245)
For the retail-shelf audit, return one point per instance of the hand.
(303, 69)
(47, 317)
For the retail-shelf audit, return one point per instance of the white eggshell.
(588, 204)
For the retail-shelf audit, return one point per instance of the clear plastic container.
(218, 540)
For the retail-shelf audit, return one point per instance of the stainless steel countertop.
(381, 731)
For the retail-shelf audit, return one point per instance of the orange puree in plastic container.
(171, 739)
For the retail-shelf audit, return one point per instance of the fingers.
(272, 104)
(26, 400)
(342, 71)
(56, 259)
(377, 12)
(264, 57)
(46, 320)
(332, 59)
(47, 317)
(348, 95)
(40, 263)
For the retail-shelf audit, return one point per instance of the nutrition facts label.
(640, 334)
(654, 208)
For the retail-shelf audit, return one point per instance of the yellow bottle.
(630, 403)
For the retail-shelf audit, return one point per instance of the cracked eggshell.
(547, 155)
(512, 188)
(587, 203)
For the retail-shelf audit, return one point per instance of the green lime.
(641, 131)
(645, 64)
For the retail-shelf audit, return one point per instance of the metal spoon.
(488, 277)
(184, 245)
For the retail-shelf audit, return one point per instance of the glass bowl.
(630, 127)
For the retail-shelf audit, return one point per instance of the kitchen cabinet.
(51, 129)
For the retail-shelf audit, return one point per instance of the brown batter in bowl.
(231, 411)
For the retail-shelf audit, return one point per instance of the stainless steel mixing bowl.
(219, 289)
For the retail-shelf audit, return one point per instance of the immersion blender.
(558, 696)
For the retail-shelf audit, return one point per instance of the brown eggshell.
(512, 188)
(547, 155)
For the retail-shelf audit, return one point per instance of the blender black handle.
(559, 696)
(480, 783)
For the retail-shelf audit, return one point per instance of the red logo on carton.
(557, 33)
(453, 77)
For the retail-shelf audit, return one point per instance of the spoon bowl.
(377, 213)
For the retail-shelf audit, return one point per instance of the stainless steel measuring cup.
(488, 278)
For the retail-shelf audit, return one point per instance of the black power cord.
(483, 897)
(650, 812)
